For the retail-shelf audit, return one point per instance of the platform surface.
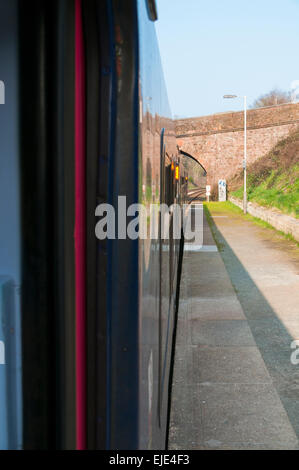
(234, 384)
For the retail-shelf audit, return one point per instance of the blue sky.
(215, 47)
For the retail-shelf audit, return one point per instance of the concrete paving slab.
(270, 333)
(185, 432)
(184, 372)
(222, 308)
(221, 333)
(200, 248)
(229, 365)
(284, 374)
(217, 445)
(208, 276)
(206, 287)
(208, 261)
(283, 301)
(292, 409)
(241, 413)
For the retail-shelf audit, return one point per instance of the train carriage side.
(158, 257)
(98, 316)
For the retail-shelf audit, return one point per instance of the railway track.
(197, 195)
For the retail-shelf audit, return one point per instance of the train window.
(168, 180)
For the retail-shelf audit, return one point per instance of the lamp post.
(245, 149)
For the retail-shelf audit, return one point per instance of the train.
(88, 324)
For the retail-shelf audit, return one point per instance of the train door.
(166, 300)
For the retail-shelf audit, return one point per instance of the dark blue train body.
(90, 361)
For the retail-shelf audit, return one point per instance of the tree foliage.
(272, 98)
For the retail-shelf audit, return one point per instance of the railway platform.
(235, 386)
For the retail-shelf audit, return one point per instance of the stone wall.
(278, 220)
(217, 141)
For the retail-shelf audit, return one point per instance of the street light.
(245, 149)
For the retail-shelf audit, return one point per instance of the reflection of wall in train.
(151, 150)
(202, 181)
(197, 177)
(158, 268)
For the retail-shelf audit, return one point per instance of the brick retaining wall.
(284, 223)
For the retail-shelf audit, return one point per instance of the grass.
(225, 207)
(273, 180)
(228, 207)
(277, 190)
